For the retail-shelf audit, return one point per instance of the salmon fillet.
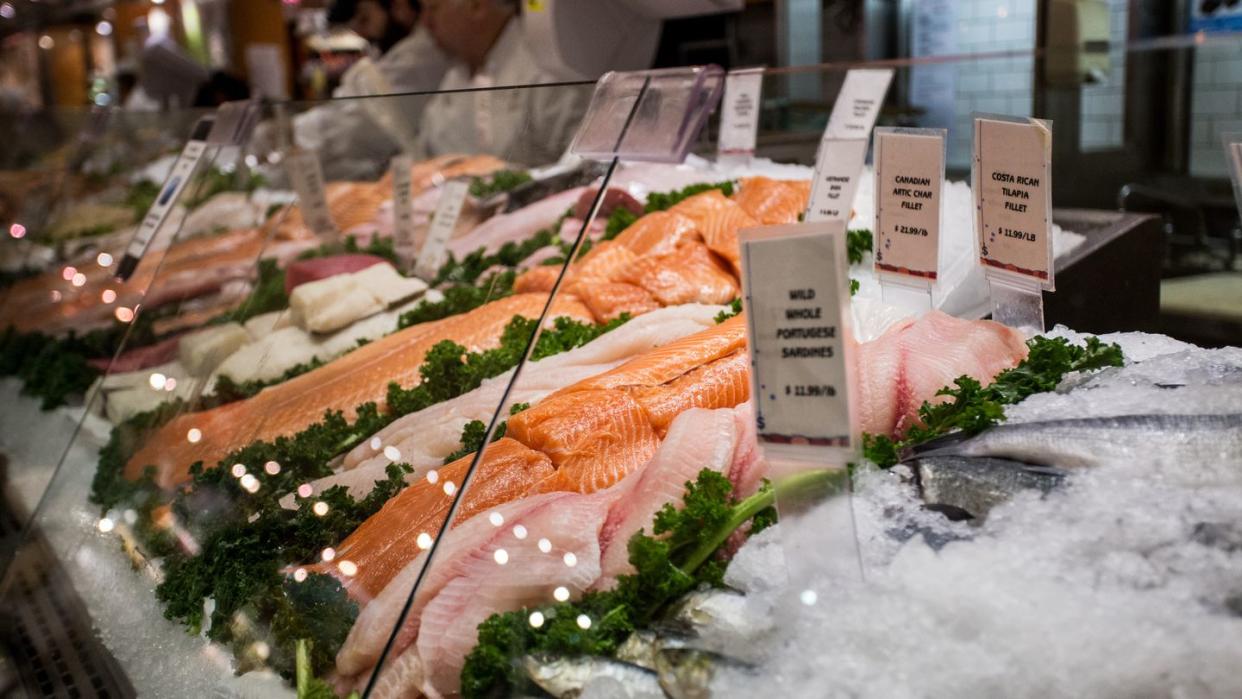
(358, 377)
(379, 550)
(719, 220)
(537, 279)
(601, 264)
(689, 274)
(658, 233)
(772, 201)
(666, 363)
(608, 300)
(724, 383)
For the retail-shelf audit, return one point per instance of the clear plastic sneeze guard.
(651, 116)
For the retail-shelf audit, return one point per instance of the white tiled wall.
(1215, 106)
(1000, 86)
(1102, 122)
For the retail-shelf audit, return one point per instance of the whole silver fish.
(565, 677)
(1162, 441)
(967, 487)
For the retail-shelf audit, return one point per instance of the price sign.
(837, 169)
(178, 177)
(307, 178)
(739, 120)
(402, 208)
(909, 170)
(858, 103)
(434, 252)
(1013, 199)
(796, 290)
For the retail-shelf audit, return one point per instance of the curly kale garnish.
(497, 182)
(973, 408)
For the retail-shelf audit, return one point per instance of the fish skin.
(658, 233)
(974, 485)
(566, 677)
(723, 383)
(358, 377)
(1188, 447)
(691, 273)
(380, 551)
(771, 201)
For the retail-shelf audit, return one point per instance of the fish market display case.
(410, 325)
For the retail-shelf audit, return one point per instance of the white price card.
(435, 249)
(403, 209)
(909, 170)
(858, 103)
(796, 290)
(1012, 185)
(739, 119)
(837, 169)
(178, 177)
(1233, 151)
(307, 178)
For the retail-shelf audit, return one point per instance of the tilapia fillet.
(359, 377)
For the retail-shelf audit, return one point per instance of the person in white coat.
(489, 49)
(355, 137)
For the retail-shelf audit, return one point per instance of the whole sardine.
(565, 677)
(1154, 441)
(969, 487)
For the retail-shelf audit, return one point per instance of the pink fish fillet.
(515, 226)
(483, 586)
(697, 439)
(912, 360)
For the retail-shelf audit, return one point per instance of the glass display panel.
(395, 485)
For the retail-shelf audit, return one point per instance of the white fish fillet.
(375, 622)
(515, 226)
(697, 439)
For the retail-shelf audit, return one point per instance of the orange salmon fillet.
(689, 274)
(724, 383)
(358, 377)
(773, 201)
(658, 233)
(719, 220)
(594, 438)
(380, 550)
(607, 300)
(536, 279)
(666, 363)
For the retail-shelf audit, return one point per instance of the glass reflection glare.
(320, 508)
(501, 556)
(584, 622)
(519, 531)
(108, 296)
(536, 619)
(348, 568)
(570, 560)
(106, 525)
(433, 476)
(123, 314)
(392, 453)
(194, 435)
(104, 259)
(67, 273)
(157, 382)
(17, 230)
(809, 597)
(424, 540)
(328, 554)
(496, 519)
(305, 490)
(299, 575)
(561, 594)
(545, 545)
(272, 468)
(238, 470)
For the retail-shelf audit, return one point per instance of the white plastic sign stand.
(739, 117)
(909, 174)
(795, 287)
(178, 177)
(402, 210)
(1233, 153)
(837, 169)
(434, 252)
(307, 178)
(858, 104)
(843, 148)
(1011, 179)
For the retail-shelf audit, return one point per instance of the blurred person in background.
(355, 137)
(488, 48)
